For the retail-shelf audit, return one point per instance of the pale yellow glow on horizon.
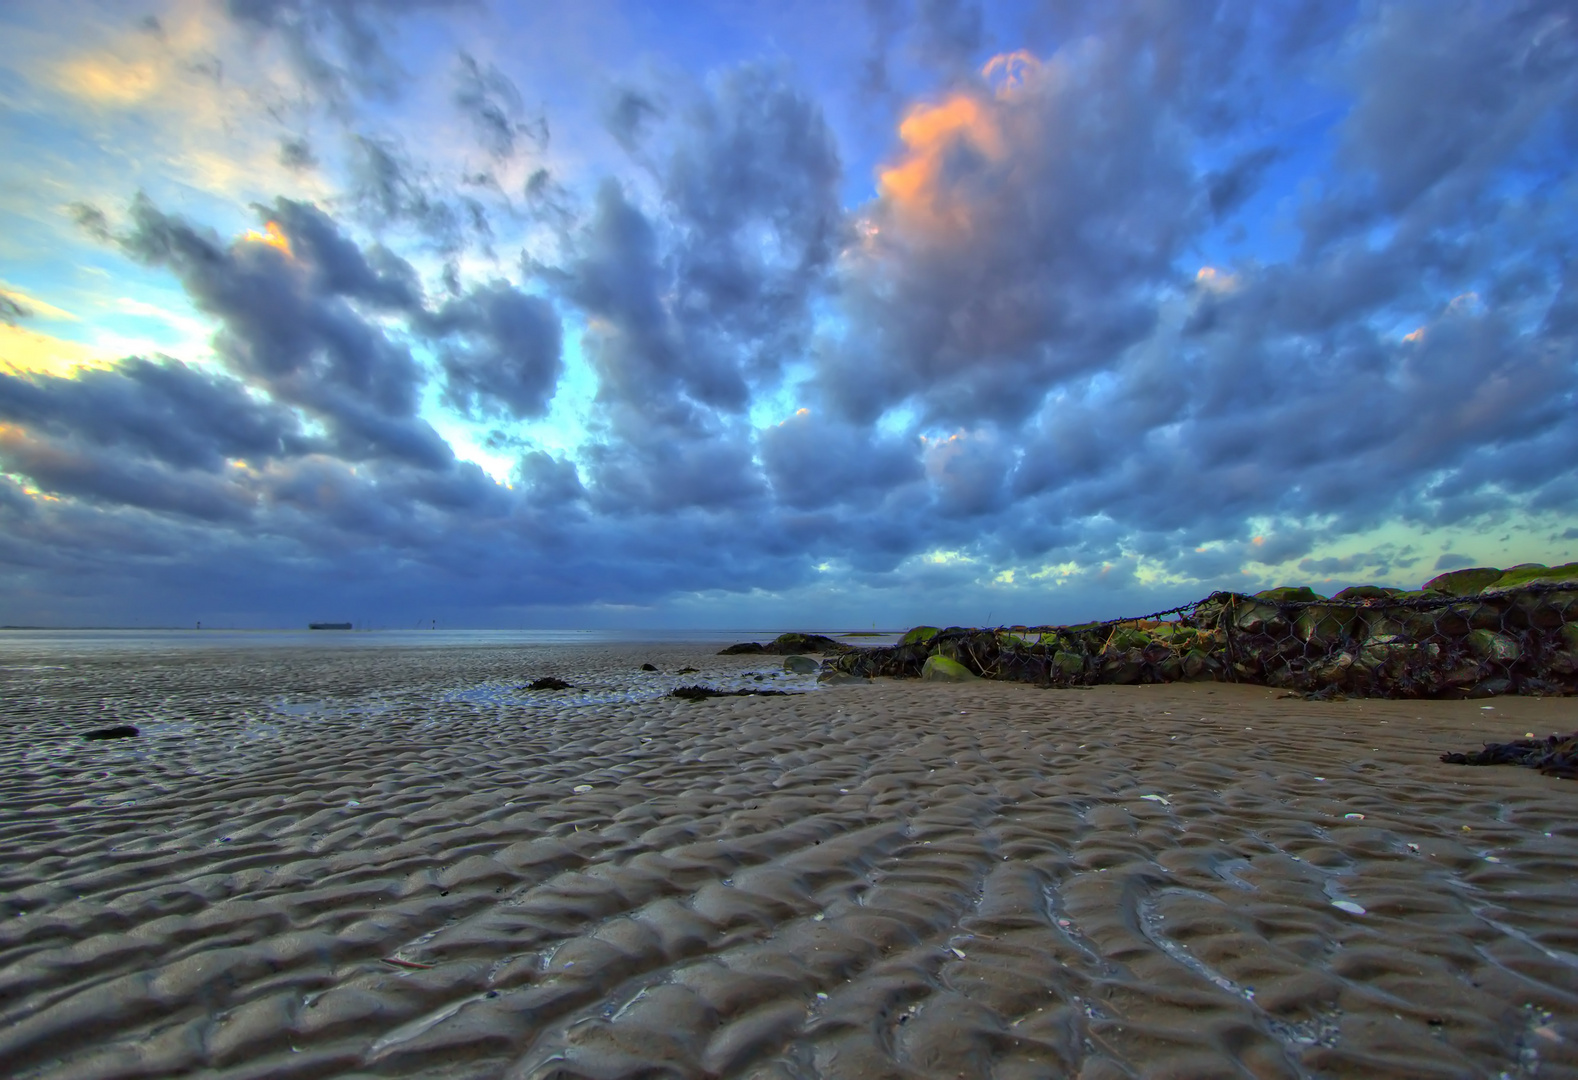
(36, 307)
(24, 350)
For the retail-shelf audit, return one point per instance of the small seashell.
(1349, 906)
(581, 789)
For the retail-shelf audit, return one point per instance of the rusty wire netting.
(1522, 640)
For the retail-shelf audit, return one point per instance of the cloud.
(493, 103)
(1005, 253)
(167, 411)
(1033, 366)
(337, 46)
(814, 462)
(503, 355)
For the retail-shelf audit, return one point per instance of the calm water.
(82, 642)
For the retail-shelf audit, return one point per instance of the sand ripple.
(394, 864)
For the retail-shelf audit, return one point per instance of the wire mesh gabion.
(1366, 642)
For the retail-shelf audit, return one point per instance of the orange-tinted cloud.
(271, 235)
(917, 187)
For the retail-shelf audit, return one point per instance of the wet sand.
(389, 863)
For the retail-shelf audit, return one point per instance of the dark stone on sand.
(1555, 755)
(701, 693)
(789, 645)
(548, 682)
(648, 667)
(688, 670)
(122, 731)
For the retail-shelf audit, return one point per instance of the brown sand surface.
(352, 863)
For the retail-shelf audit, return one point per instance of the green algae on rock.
(1368, 640)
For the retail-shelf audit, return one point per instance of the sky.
(801, 313)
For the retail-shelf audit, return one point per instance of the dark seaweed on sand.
(701, 693)
(1554, 755)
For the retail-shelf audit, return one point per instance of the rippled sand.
(391, 863)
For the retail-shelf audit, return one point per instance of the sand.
(387, 863)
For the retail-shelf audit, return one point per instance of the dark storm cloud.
(65, 467)
(288, 324)
(167, 411)
(1020, 256)
(813, 462)
(502, 352)
(706, 294)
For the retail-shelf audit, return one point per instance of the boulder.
(547, 682)
(942, 669)
(1289, 594)
(1122, 668)
(918, 635)
(787, 645)
(801, 665)
(1497, 648)
(1366, 592)
(842, 678)
(1071, 664)
(1464, 582)
(1321, 626)
(1532, 574)
(120, 731)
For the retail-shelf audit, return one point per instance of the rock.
(1563, 662)
(121, 731)
(548, 682)
(1130, 638)
(1121, 668)
(1197, 664)
(918, 635)
(1533, 574)
(1071, 664)
(1366, 592)
(789, 644)
(1289, 594)
(800, 665)
(1490, 688)
(648, 667)
(1333, 671)
(841, 678)
(1321, 625)
(942, 669)
(1498, 648)
(687, 670)
(1464, 582)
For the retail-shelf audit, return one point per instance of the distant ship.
(328, 626)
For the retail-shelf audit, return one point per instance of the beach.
(394, 862)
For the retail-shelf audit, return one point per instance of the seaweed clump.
(1554, 755)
